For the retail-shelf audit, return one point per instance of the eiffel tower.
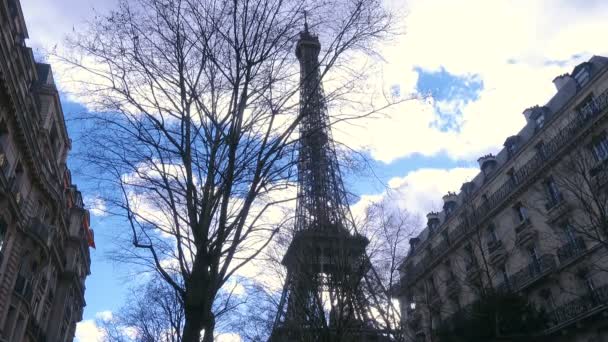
(328, 293)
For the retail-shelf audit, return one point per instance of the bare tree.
(571, 192)
(389, 229)
(154, 313)
(193, 133)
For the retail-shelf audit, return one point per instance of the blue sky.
(482, 61)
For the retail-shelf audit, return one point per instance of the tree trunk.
(197, 320)
(193, 325)
(209, 328)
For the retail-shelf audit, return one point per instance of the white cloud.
(228, 337)
(104, 315)
(96, 205)
(48, 23)
(88, 331)
(483, 38)
(419, 191)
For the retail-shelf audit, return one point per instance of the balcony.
(524, 233)
(497, 252)
(532, 272)
(580, 307)
(528, 170)
(571, 250)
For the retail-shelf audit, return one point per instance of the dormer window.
(540, 121)
(582, 75)
(449, 208)
(511, 145)
(511, 149)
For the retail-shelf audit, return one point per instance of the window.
(540, 121)
(445, 236)
(521, 211)
(511, 175)
(582, 76)
(2, 237)
(589, 282)
(552, 191)
(469, 257)
(435, 318)
(492, 233)
(541, 150)
(504, 275)
(599, 147)
(4, 166)
(431, 286)
(569, 233)
(511, 149)
(547, 295)
(535, 261)
(433, 224)
(449, 208)
(587, 107)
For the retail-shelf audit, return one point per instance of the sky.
(483, 62)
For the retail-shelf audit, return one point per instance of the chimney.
(487, 163)
(561, 80)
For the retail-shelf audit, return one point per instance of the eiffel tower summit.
(328, 294)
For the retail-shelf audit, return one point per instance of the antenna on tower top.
(305, 22)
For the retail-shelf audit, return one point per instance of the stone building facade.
(532, 222)
(44, 228)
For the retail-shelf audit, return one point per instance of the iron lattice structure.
(329, 291)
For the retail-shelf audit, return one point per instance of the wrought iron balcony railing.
(580, 306)
(520, 177)
(571, 249)
(532, 272)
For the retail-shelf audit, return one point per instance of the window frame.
(522, 212)
(553, 192)
(582, 76)
(600, 144)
